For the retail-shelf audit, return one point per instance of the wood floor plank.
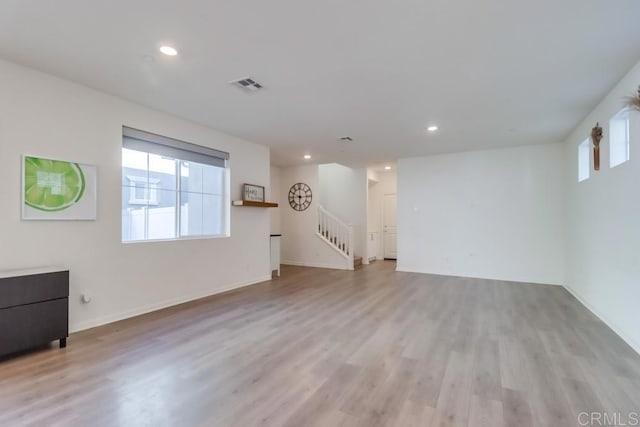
(515, 409)
(327, 399)
(486, 370)
(581, 397)
(485, 413)
(384, 406)
(414, 415)
(452, 408)
(372, 347)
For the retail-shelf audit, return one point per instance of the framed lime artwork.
(58, 190)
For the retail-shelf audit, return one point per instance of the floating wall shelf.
(254, 204)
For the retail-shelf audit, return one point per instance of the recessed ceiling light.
(432, 128)
(168, 50)
(307, 156)
(387, 168)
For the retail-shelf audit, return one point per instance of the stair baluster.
(336, 233)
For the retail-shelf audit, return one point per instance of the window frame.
(582, 147)
(153, 185)
(622, 120)
(150, 187)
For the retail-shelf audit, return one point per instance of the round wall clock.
(300, 196)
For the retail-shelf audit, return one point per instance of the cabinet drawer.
(32, 325)
(33, 288)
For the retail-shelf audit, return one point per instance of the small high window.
(619, 138)
(584, 160)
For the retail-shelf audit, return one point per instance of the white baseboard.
(316, 265)
(634, 345)
(92, 323)
(502, 279)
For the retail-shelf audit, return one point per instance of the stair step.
(357, 262)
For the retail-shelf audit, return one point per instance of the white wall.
(49, 117)
(493, 214)
(603, 222)
(343, 192)
(273, 195)
(300, 245)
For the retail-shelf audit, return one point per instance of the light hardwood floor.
(335, 348)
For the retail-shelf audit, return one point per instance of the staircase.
(338, 235)
(357, 262)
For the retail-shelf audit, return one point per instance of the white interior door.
(389, 226)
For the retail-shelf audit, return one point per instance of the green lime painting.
(58, 190)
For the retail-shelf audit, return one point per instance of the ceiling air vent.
(247, 84)
(345, 139)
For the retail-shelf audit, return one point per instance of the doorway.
(390, 228)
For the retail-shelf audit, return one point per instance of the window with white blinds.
(172, 189)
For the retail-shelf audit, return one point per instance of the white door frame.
(386, 229)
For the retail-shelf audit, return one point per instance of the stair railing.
(336, 233)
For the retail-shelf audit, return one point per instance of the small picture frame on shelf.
(253, 193)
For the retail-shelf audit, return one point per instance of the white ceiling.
(380, 168)
(490, 73)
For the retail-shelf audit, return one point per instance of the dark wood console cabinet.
(34, 308)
